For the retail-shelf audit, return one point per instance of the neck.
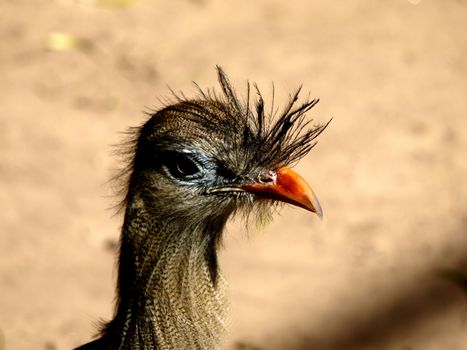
(170, 294)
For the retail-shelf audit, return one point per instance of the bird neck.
(170, 293)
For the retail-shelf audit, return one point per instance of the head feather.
(287, 138)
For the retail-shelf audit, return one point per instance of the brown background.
(390, 171)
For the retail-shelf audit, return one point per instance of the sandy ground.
(390, 170)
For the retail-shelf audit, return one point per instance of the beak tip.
(315, 207)
(319, 212)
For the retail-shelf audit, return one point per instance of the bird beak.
(287, 186)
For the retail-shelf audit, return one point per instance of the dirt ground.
(391, 172)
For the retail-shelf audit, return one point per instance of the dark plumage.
(191, 166)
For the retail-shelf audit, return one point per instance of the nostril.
(267, 177)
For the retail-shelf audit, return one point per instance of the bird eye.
(181, 167)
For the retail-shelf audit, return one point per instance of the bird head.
(191, 165)
(197, 161)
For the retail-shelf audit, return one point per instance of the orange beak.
(287, 186)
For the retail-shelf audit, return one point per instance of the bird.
(191, 166)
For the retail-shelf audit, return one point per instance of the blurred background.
(385, 269)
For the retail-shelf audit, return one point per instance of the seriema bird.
(192, 165)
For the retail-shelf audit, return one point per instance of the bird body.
(191, 166)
